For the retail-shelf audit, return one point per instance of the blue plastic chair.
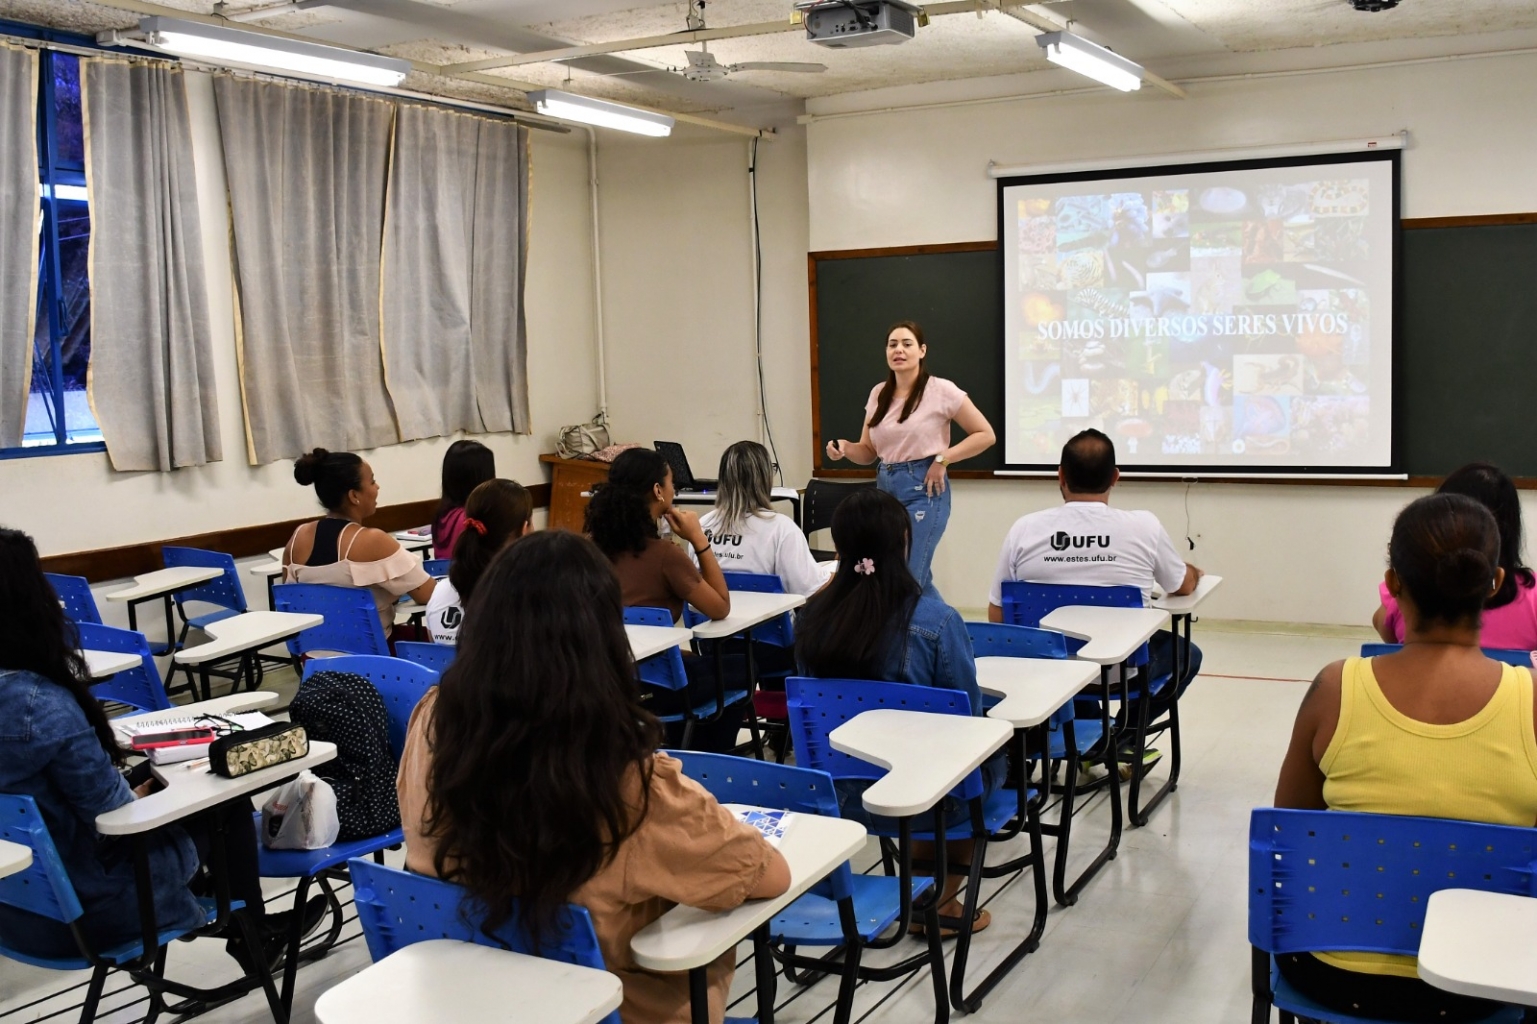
(398, 908)
(666, 671)
(1508, 656)
(768, 705)
(1025, 604)
(75, 595)
(434, 656)
(818, 706)
(139, 687)
(437, 568)
(402, 685)
(1337, 880)
(223, 592)
(845, 909)
(45, 889)
(351, 623)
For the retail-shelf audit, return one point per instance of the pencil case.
(242, 753)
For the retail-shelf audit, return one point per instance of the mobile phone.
(172, 738)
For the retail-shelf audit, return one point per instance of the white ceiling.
(1168, 36)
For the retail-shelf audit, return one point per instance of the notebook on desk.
(683, 479)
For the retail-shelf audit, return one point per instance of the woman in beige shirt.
(339, 550)
(534, 781)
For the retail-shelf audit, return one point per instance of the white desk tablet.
(927, 754)
(1481, 944)
(105, 664)
(447, 980)
(164, 581)
(1033, 689)
(246, 631)
(649, 641)
(748, 609)
(14, 858)
(1112, 634)
(184, 714)
(190, 787)
(1188, 603)
(687, 937)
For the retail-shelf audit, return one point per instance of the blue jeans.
(929, 515)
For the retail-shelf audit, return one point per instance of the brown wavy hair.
(538, 735)
(889, 389)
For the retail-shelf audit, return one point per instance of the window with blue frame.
(59, 416)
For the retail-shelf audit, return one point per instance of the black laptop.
(683, 479)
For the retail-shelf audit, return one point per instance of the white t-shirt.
(1088, 543)
(444, 613)
(770, 544)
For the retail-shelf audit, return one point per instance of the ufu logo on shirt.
(1061, 541)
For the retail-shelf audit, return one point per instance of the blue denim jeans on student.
(904, 481)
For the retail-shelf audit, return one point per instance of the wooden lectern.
(570, 480)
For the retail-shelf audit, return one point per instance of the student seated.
(56, 747)
(339, 550)
(873, 621)
(1510, 616)
(537, 779)
(1084, 542)
(745, 532)
(1436, 730)
(655, 573)
(496, 513)
(466, 465)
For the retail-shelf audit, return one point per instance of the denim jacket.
(936, 652)
(49, 751)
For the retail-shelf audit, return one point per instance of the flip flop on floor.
(979, 922)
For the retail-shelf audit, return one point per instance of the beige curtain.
(20, 214)
(151, 372)
(307, 169)
(455, 345)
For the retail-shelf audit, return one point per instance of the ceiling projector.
(841, 24)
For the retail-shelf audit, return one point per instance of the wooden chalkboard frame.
(819, 470)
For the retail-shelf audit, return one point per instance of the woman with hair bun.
(338, 549)
(1436, 730)
(496, 513)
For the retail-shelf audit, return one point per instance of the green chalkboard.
(1467, 339)
(954, 295)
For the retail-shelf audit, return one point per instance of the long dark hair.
(847, 629)
(466, 465)
(35, 635)
(501, 508)
(1486, 484)
(619, 516)
(538, 734)
(1445, 550)
(889, 389)
(333, 474)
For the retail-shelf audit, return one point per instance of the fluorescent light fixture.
(221, 45)
(1078, 54)
(571, 107)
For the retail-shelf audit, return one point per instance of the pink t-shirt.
(927, 430)
(1510, 627)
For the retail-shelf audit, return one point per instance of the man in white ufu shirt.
(1085, 542)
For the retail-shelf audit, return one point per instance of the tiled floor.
(1158, 937)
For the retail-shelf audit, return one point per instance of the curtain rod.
(520, 116)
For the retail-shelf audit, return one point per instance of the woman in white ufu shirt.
(747, 535)
(496, 513)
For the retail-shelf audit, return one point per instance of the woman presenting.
(907, 428)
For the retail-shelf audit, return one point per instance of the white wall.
(1289, 553)
(75, 503)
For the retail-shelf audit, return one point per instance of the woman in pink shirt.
(907, 428)
(1510, 616)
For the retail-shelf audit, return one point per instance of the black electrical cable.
(757, 242)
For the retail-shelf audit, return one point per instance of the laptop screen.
(682, 476)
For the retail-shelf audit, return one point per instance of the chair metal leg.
(295, 939)
(93, 994)
(763, 968)
(698, 996)
(259, 964)
(1066, 894)
(1259, 984)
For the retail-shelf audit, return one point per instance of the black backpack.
(345, 709)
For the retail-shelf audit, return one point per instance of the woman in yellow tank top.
(1436, 730)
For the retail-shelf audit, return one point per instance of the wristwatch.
(940, 460)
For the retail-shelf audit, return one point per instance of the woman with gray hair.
(745, 532)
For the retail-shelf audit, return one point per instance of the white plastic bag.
(301, 815)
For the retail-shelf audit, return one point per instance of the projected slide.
(1226, 317)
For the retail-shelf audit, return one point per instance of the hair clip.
(865, 567)
(476, 525)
